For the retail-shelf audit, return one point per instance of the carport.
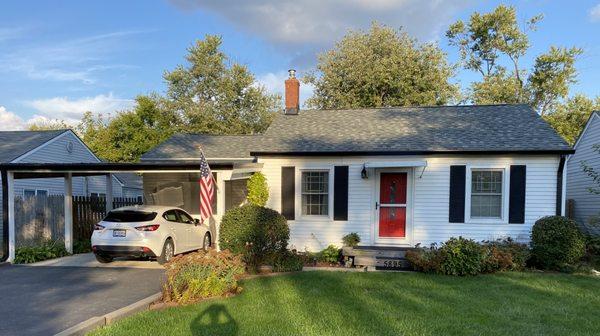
(225, 171)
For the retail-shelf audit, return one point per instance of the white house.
(585, 203)
(397, 176)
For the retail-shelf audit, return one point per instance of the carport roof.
(27, 170)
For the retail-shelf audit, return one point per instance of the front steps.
(378, 257)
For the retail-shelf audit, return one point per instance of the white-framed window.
(487, 193)
(27, 193)
(315, 192)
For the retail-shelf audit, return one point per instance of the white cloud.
(274, 83)
(309, 25)
(595, 13)
(9, 121)
(72, 60)
(71, 110)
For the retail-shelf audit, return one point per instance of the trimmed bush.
(556, 242)
(351, 239)
(255, 232)
(258, 190)
(44, 251)
(461, 256)
(198, 275)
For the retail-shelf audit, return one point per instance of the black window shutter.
(457, 194)
(516, 200)
(340, 193)
(288, 192)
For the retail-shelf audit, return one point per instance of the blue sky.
(66, 57)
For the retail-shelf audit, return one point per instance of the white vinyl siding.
(578, 182)
(430, 199)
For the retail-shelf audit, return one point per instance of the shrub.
(199, 275)
(330, 255)
(82, 246)
(555, 242)
(255, 232)
(44, 251)
(504, 255)
(351, 239)
(425, 260)
(287, 261)
(258, 190)
(461, 256)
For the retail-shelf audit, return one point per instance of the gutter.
(4, 176)
(559, 185)
(383, 153)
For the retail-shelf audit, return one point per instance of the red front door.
(392, 205)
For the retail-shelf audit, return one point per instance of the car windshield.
(129, 216)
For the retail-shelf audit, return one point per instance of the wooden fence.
(87, 211)
(41, 218)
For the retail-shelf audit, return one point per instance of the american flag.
(206, 189)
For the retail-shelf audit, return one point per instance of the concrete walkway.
(46, 298)
(89, 260)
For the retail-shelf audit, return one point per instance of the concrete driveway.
(46, 299)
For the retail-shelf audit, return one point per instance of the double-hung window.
(486, 193)
(315, 193)
(29, 193)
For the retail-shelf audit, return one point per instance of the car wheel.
(168, 252)
(206, 242)
(103, 259)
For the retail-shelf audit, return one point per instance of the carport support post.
(69, 212)
(109, 192)
(10, 188)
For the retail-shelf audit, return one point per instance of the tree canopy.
(48, 125)
(129, 134)
(488, 39)
(215, 96)
(381, 67)
(570, 117)
(207, 95)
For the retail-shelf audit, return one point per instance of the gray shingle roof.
(130, 180)
(484, 128)
(471, 128)
(16, 143)
(185, 146)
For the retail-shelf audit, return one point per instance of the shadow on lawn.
(214, 320)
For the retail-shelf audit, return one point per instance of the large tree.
(216, 96)
(381, 67)
(129, 134)
(569, 118)
(488, 39)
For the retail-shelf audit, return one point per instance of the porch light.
(363, 173)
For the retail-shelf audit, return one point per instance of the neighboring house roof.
(130, 180)
(472, 128)
(14, 144)
(394, 130)
(185, 147)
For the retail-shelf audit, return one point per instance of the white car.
(148, 231)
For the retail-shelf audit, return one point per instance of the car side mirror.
(196, 221)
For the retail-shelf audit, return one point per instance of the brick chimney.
(292, 94)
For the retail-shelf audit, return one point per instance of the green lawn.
(332, 303)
